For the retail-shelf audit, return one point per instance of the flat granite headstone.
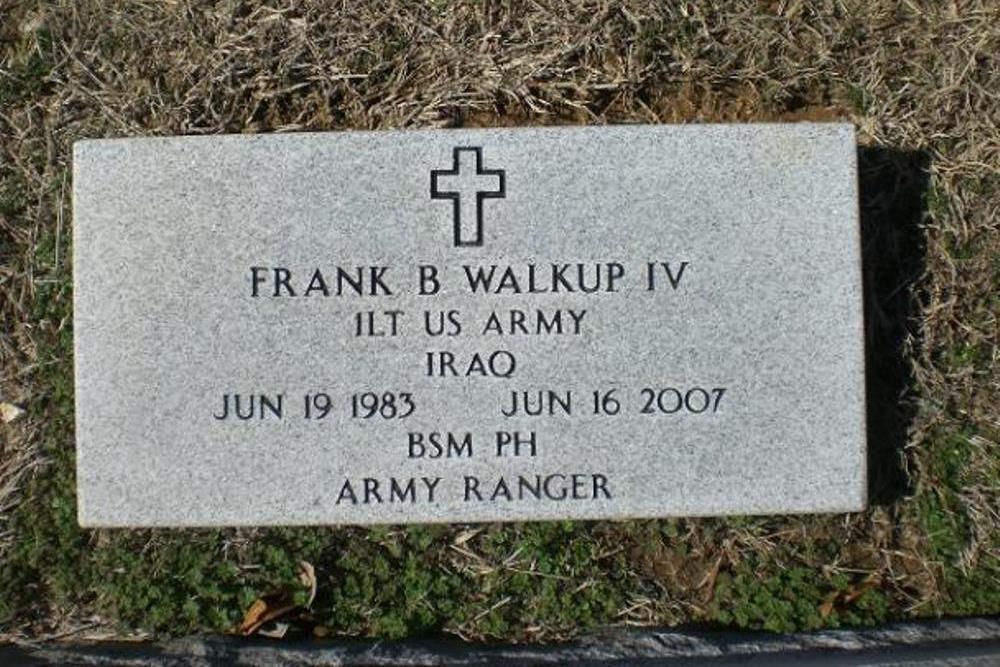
(468, 325)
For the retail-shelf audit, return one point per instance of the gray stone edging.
(973, 641)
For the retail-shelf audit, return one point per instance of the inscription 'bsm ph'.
(462, 186)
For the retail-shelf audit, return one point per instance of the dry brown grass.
(920, 79)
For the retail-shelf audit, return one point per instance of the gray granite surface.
(211, 270)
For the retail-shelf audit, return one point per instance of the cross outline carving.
(456, 195)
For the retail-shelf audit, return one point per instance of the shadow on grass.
(893, 200)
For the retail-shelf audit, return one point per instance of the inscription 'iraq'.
(468, 325)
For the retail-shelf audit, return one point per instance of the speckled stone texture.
(735, 386)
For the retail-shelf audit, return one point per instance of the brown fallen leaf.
(826, 608)
(263, 611)
(270, 609)
(253, 615)
(853, 592)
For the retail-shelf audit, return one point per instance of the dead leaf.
(708, 582)
(853, 592)
(857, 591)
(264, 611)
(826, 608)
(268, 610)
(307, 575)
(466, 535)
(253, 615)
(9, 412)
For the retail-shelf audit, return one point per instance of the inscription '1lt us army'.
(604, 322)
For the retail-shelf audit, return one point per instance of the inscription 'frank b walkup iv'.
(576, 323)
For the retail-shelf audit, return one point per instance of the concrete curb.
(972, 642)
